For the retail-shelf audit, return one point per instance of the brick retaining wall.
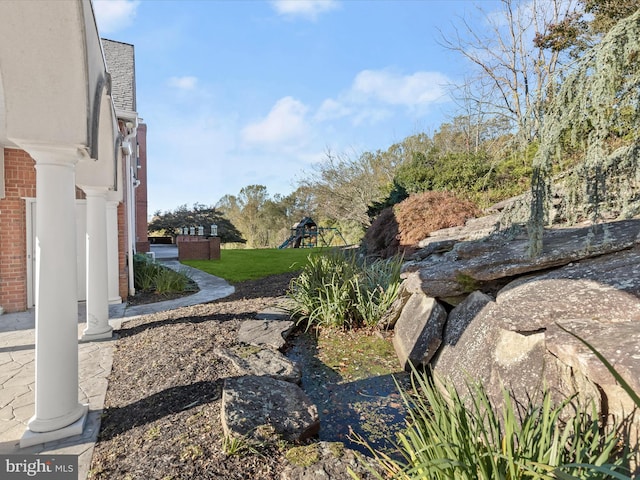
(198, 248)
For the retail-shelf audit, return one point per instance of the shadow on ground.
(158, 405)
(371, 408)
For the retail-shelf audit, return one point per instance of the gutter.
(128, 151)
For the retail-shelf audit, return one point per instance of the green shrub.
(447, 438)
(453, 171)
(150, 276)
(168, 280)
(337, 290)
(145, 271)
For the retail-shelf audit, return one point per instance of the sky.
(237, 93)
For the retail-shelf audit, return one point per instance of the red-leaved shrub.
(399, 228)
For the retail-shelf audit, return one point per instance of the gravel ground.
(162, 408)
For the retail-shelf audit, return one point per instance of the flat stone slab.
(251, 403)
(603, 289)
(281, 310)
(251, 360)
(471, 264)
(445, 239)
(271, 333)
(274, 313)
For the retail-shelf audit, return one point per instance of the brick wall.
(20, 182)
(123, 273)
(198, 248)
(142, 240)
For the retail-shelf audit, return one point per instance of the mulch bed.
(162, 408)
(143, 297)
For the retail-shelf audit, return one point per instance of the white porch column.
(112, 252)
(58, 414)
(97, 267)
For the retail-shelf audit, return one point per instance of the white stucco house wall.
(67, 175)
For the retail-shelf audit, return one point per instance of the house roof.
(120, 61)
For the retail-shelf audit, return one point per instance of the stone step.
(251, 404)
(265, 399)
(251, 360)
(280, 310)
(269, 333)
(265, 403)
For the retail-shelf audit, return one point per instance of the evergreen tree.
(598, 109)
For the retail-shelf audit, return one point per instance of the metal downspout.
(126, 143)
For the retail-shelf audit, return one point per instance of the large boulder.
(461, 316)
(516, 342)
(250, 360)
(472, 265)
(418, 331)
(252, 403)
(497, 357)
(458, 321)
(619, 343)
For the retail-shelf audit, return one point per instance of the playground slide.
(286, 243)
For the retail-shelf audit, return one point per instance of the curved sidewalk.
(17, 367)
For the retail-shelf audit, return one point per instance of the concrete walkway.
(17, 372)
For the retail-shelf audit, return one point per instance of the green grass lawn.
(247, 264)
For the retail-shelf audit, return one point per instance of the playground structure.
(306, 234)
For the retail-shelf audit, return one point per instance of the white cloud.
(114, 15)
(374, 94)
(331, 109)
(420, 88)
(309, 9)
(183, 83)
(284, 123)
(371, 115)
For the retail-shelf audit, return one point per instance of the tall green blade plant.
(340, 290)
(376, 289)
(626, 387)
(150, 276)
(451, 437)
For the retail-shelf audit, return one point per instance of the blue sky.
(237, 93)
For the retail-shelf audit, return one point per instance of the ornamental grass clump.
(451, 437)
(340, 290)
(169, 281)
(149, 276)
(145, 271)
